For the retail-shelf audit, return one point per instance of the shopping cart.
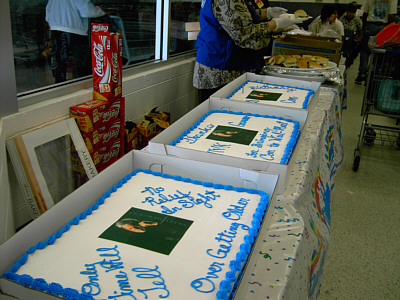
(381, 99)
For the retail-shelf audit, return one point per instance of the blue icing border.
(67, 293)
(305, 103)
(289, 147)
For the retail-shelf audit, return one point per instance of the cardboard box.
(97, 113)
(160, 144)
(228, 89)
(105, 157)
(87, 195)
(328, 47)
(103, 136)
(132, 137)
(106, 62)
(153, 123)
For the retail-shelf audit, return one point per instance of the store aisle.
(363, 258)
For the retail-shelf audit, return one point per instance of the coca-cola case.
(106, 62)
(94, 114)
(102, 137)
(106, 157)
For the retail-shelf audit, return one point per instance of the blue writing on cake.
(225, 240)
(260, 141)
(124, 286)
(181, 199)
(253, 153)
(155, 279)
(252, 100)
(112, 263)
(270, 137)
(290, 100)
(92, 287)
(235, 212)
(242, 122)
(269, 156)
(205, 284)
(218, 148)
(202, 131)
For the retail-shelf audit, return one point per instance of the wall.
(6, 214)
(166, 84)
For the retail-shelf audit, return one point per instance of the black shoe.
(360, 78)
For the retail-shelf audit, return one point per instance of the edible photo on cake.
(147, 230)
(273, 94)
(244, 135)
(264, 96)
(233, 135)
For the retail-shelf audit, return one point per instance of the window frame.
(11, 101)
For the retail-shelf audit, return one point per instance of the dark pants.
(65, 45)
(204, 94)
(371, 29)
(350, 48)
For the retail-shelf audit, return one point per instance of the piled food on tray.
(300, 13)
(297, 61)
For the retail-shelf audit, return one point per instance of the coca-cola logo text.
(99, 27)
(114, 61)
(98, 53)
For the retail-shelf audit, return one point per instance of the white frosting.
(283, 95)
(273, 141)
(64, 261)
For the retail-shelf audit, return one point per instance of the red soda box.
(102, 137)
(104, 159)
(97, 113)
(106, 63)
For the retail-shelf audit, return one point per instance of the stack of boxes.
(152, 124)
(102, 120)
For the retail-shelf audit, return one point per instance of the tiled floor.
(363, 258)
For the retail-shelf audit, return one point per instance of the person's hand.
(274, 12)
(285, 21)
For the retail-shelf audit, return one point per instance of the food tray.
(320, 75)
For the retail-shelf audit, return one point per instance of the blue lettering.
(206, 285)
(92, 287)
(269, 156)
(218, 148)
(242, 122)
(186, 200)
(202, 131)
(225, 240)
(124, 286)
(235, 212)
(152, 190)
(290, 100)
(158, 281)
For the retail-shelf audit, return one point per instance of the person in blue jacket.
(232, 40)
(69, 26)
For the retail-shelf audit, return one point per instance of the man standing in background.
(377, 14)
(69, 26)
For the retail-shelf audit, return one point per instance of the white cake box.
(84, 197)
(160, 144)
(228, 89)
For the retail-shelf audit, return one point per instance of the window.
(140, 21)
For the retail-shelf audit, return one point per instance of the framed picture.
(50, 163)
